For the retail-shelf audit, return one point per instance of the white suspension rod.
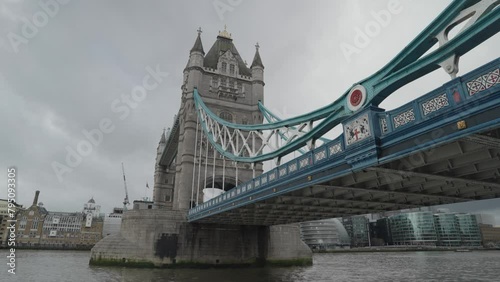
(199, 171)
(236, 164)
(213, 170)
(194, 164)
(206, 164)
(223, 172)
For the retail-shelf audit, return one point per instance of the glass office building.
(357, 229)
(469, 229)
(414, 228)
(447, 229)
(324, 234)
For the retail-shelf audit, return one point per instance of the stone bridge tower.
(162, 236)
(230, 89)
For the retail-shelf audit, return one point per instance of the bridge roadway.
(441, 148)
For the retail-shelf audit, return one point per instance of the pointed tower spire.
(257, 61)
(257, 76)
(163, 140)
(198, 46)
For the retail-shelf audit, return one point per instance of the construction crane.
(125, 201)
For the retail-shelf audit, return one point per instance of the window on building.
(231, 69)
(34, 225)
(231, 84)
(22, 224)
(226, 116)
(224, 67)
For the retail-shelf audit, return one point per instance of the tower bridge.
(442, 148)
(214, 204)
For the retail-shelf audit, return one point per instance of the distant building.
(413, 228)
(425, 228)
(91, 208)
(469, 229)
(490, 236)
(5, 217)
(357, 228)
(29, 224)
(112, 222)
(143, 205)
(39, 228)
(61, 230)
(380, 231)
(324, 234)
(447, 229)
(91, 234)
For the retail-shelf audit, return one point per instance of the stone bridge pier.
(160, 238)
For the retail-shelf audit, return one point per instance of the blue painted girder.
(478, 106)
(407, 66)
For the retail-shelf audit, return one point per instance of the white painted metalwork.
(194, 163)
(472, 14)
(199, 171)
(251, 143)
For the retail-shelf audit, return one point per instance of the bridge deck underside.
(463, 170)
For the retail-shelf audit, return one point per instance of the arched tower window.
(226, 116)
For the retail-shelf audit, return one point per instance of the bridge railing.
(443, 99)
(330, 151)
(451, 97)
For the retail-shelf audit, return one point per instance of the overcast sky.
(61, 77)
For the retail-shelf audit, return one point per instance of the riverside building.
(38, 228)
(327, 234)
(357, 228)
(425, 228)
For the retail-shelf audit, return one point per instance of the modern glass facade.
(441, 229)
(324, 234)
(469, 230)
(447, 229)
(357, 228)
(382, 231)
(415, 228)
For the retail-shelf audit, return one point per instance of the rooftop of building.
(223, 44)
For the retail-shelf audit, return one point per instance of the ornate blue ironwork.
(408, 65)
(337, 152)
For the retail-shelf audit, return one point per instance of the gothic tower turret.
(258, 76)
(227, 86)
(188, 171)
(163, 185)
(194, 67)
(161, 146)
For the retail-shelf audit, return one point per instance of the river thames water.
(41, 266)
